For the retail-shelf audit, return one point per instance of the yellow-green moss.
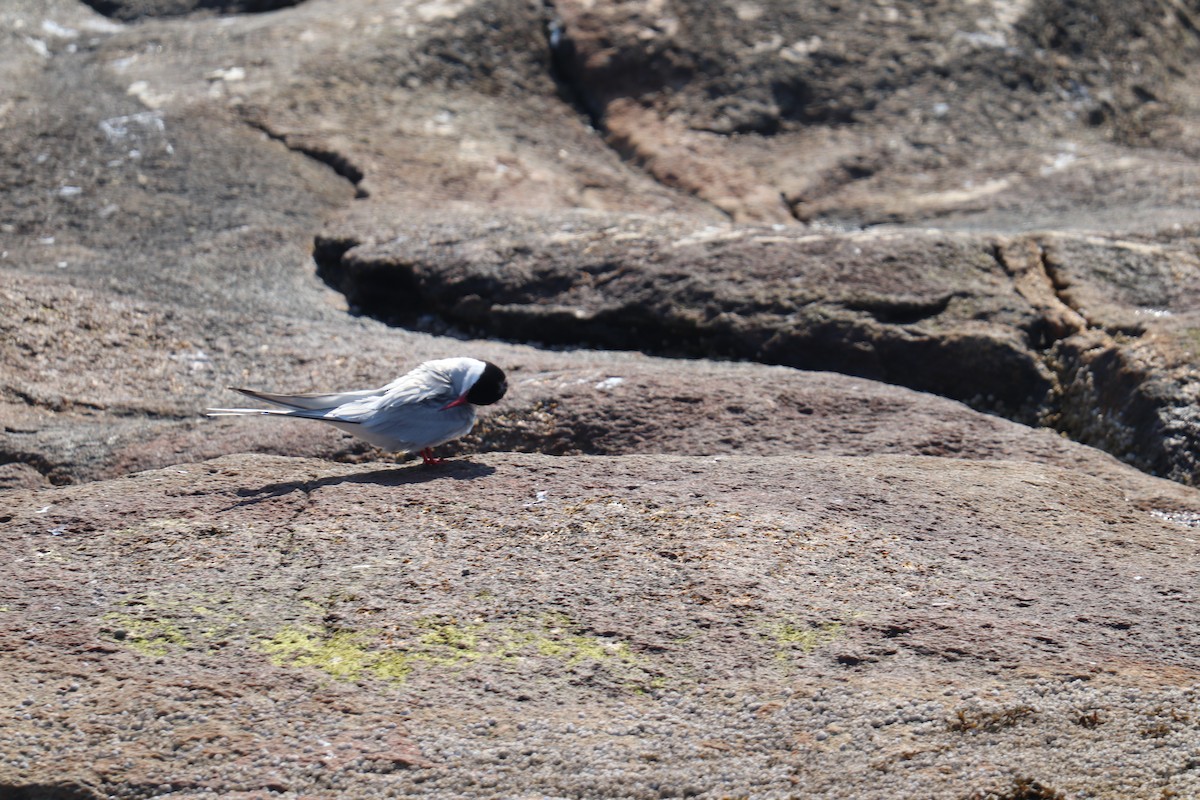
(573, 649)
(441, 642)
(807, 637)
(150, 637)
(450, 635)
(342, 654)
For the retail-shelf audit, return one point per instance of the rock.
(456, 122)
(21, 476)
(933, 312)
(868, 114)
(147, 411)
(526, 620)
(677, 575)
(978, 319)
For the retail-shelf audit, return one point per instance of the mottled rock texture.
(940, 559)
(628, 626)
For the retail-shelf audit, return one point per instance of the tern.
(429, 406)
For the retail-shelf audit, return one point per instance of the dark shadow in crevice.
(56, 790)
(134, 10)
(340, 163)
(562, 68)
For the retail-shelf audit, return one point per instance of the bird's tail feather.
(305, 406)
(307, 402)
(299, 413)
(241, 412)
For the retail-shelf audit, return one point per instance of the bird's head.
(489, 387)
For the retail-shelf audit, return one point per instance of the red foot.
(429, 459)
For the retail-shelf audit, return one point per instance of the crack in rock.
(947, 325)
(59, 404)
(1024, 260)
(681, 307)
(54, 473)
(131, 10)
(340, 163)
(676, 157)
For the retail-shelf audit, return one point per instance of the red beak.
(462, 400)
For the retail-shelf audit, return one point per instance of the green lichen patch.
(343, 654)
(554, 640)
(153, 624)
(149, 636)
(448, 643)
(790, 638)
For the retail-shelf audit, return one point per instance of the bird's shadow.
(457, 470)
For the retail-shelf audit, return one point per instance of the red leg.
(429, 459)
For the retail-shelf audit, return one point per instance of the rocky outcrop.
(162, 365)
(639, 576)
(1092, 335)
(620, 626)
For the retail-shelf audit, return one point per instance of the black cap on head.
(490, 387)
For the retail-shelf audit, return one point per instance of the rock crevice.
(316, 149)
(1009, 338)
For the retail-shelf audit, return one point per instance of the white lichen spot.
(122, 64)
(196, 359)
(439, 9)
(38, 46)
(609, 383)
(52, 28)
(150, 98)
(1060, 162)
(227, 74)
(143, 128)
(798, 52)
(748, 12)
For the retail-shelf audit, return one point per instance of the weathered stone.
(959, 113)
(997, 322)
(527, 621)
(933, 312)
(799, 583)
(69, 426)
(15, 475)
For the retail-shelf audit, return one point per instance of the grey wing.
(410, 413)
(420, 388)
(416, 426)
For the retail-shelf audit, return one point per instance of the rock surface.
(1093, 335)
(636, 626)
(641, 576)
(1050, 149)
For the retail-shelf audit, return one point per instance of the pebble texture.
(638, 626)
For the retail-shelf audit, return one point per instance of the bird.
(429, 406)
